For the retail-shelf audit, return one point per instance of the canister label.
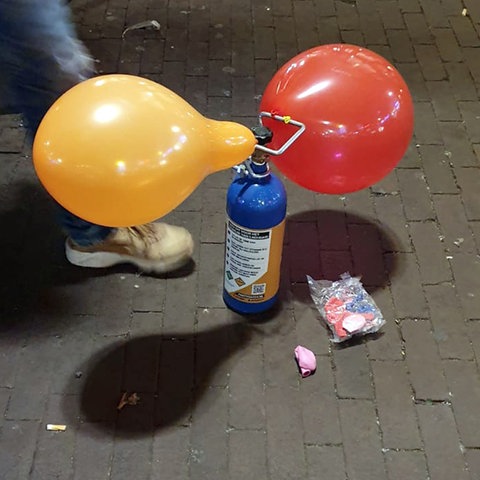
(252, 262)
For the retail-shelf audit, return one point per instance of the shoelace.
(143, 232)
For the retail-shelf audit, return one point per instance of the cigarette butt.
(56, 428)
(464, 12)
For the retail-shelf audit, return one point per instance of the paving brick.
(243, 100)
(426, 128)
(54, 450)
(470, 112)
(285, 40)
(434, 13)
(447, 45)
(387, 343)
(320, 407)
(443, 100)
(418, 28)
(209, 436)
(247, 455)
(442, 447)
(464, 31)
(132, 457)
(423, 360)
(170, 456)
(457, 236)
(305, 22)
(303, 249)
(93, 452)
(415, 194)
(246, 399)
(325, 461)
(408, 297)
(413, 77)
(466, 269)
(464, 385)
(434, 266)
(406, 464)
(210, 282)
(461, 80)
(17, 448)
(359, 205)
(396, 409)
(373, 28)
(176, 379)
(278, 351)
(393, 222)
(23, 405)
(467, 179)
(310, 327)
(352, 372)
(401, 46)
(333, 233)
(436, 165)
(367, 254)
(328, 30)
(334, 264)
(449, 328)
(180, 304)
(391, 15)
(472, 456)
(285, 451)
(364, 460)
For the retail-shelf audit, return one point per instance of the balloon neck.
(231, 144)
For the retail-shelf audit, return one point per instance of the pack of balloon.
(346, 307)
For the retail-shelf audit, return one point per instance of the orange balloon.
(120, 150)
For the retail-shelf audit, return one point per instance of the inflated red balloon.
(358, 114)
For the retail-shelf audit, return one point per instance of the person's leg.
(41, 58)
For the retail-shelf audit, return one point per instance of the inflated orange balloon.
(120, 150)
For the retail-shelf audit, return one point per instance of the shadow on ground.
(32, 260)
(169, 373)
(326, 243)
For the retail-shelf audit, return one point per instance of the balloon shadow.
(163, 375)
(32, 262)
(327, 243)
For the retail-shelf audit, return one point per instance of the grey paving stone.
(364, 459)
(209, 436)
(285, 450)
(407, 293)
(464, 384)
(171, 452)
(93, 452)
(423, 360)
(320, 407)
(352, 373)
(406, 464)
(396, 409)
(434, 266)
(325, 461)
(442, 447)
(247, 455)
(449, 327)
(246, 390)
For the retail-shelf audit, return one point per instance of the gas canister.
(255, 224)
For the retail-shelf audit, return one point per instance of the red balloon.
(358, 114)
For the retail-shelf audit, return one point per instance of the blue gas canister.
(255, 225)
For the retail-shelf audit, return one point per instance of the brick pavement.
(220, 395)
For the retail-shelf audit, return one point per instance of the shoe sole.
(109, 259)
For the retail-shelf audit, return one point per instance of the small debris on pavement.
(147, 24)
(56, 428)
(128, 399)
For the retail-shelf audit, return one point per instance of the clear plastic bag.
(346, 307)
